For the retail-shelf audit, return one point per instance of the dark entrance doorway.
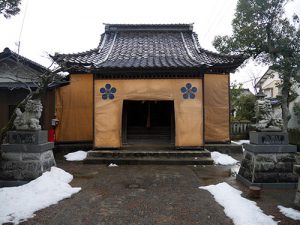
(148, 122)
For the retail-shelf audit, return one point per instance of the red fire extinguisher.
(51, 132)
(51, 135)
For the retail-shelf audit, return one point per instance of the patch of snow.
(290, 212)
(76, 156)
(222, 159)
(19, 203)
(241, 210)
(112, 165)
(240, 142)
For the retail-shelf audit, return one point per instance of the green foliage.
(261, 30)
(242, 106)
(9, 7)
(245, 109)
(235, 92)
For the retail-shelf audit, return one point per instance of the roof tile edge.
(148, 27)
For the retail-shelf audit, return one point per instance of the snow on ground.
(19, 203)
(290, 212)
(241, 142)
(76, 156)
(112, 165)
(241, 210)
(222, 159)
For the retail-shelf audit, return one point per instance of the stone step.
(155, 157)
(148, 153)
(149, 161)
(146, 137)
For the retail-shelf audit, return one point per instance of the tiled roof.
(26, 76)
(9, 54)
(148, 46)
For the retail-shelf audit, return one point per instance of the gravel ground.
(146, 194)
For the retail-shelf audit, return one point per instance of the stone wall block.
(31, 156)
(287, 177)
(265, 177)
(11, 156)
(248, 156)
(265, 158)
(47, 155)
(264, 167)
(284, 167)
(286, 158)
(29, 175)
(33, 166)
(46, 165)
(7, 174)
(17, 174)
(245, 173)
(247, 163)
(13, 165)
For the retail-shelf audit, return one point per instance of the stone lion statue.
(30, 118)
(265, 118)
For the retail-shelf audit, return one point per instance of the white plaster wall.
(271, 82)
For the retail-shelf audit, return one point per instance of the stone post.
(26, 156)
(268, 161)
(28, 153)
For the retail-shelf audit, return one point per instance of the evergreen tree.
(9, 8)
(262, 30)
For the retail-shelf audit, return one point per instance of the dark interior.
(148, 122)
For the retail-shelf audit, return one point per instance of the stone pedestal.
(26, 156)
(268, 161)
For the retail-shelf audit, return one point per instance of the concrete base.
(25, 159)
(224, 148)
(269, 162)
(247, 183)
(270, 148)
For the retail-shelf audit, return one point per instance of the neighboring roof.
(8, 54)
(148, 46)
(246, 91)
(36, 68)
(264, 77)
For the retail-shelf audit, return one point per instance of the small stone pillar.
(268, 161)
(26, 156)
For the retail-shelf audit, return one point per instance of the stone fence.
(240, 130)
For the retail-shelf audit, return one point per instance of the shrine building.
(145, 84)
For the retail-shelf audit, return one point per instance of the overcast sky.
(69, 26)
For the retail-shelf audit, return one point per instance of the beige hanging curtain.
(108, 112)
(74, 109)
(216, 101)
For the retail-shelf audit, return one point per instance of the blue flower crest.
(189, 91)
(108, 92)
